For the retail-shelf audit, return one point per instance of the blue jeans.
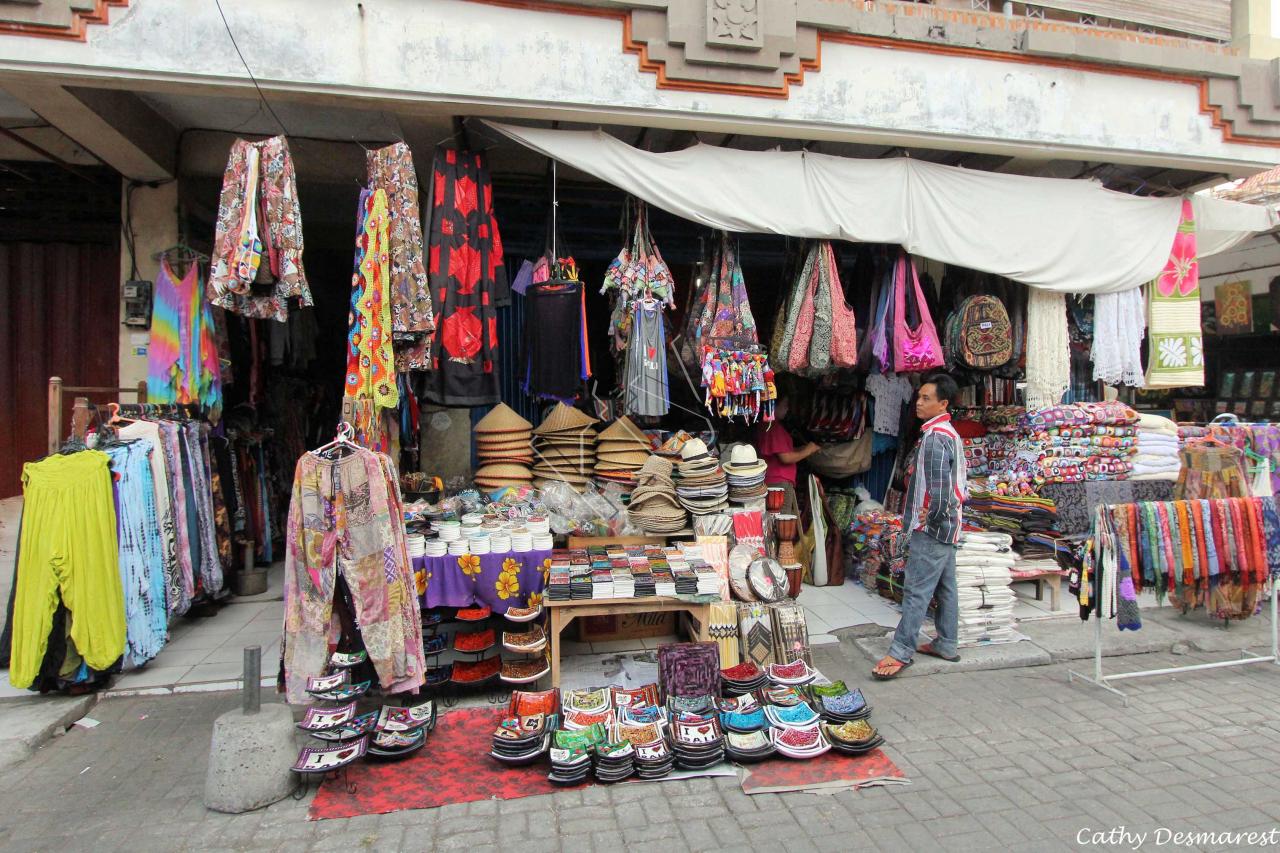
(931, 565)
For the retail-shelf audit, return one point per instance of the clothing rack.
(1246, 657)
(1099, 679)
(80, 409)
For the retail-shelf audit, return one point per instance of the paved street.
(1010, 759)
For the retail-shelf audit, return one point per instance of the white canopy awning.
(1068, 235)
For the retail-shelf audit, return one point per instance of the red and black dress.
(468, 282)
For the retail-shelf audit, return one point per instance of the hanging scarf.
(1175, 346)
(1048, 349)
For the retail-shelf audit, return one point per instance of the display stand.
(1246, 657)
(563, 612)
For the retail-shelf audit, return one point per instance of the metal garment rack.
(80, 410)
(1246, 657)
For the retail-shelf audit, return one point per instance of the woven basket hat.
(502, 419)
(565, 419)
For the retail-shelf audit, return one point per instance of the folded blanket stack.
(1157, 457)
(1077, 442)
(983, 563)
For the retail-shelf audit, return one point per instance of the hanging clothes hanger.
(342, 444)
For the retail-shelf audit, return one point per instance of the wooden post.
(55, 413)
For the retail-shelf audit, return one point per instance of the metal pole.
(252, 690)
(1275, 632)
(1097, 647)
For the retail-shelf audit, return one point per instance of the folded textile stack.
(1157, 457)
(1077, 442)
(702, 488)
(620, 451)
(983, 562)
(654, 507)
(502, 446)
(974, 435)
(1017, 515)
(565, 447)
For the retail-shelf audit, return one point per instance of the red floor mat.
(831, 770)
(455, 767)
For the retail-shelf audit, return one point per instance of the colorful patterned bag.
(984, 336)
(914, 350)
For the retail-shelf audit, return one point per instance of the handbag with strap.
(918, 349)
(248, 253)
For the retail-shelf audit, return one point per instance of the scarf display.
(1048, 348)
(468, 281)
(1176, 348)
(257, 244)
(1119, 325)
(1215, 554)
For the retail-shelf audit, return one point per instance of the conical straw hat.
(503, 471)
(504, 438)
(565, 419)
(500, 420)
(623, 429)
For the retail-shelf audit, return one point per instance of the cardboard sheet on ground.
(832, 771)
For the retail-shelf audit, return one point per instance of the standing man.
(935, 494)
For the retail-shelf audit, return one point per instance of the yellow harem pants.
(67, 549)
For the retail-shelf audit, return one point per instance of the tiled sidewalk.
(998, 760)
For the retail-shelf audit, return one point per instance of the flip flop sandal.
(887, 676)
(927, 649)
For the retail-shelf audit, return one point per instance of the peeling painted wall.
(455, 56)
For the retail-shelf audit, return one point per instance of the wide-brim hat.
(501, 419)
(658, 466)
(565, 419)
(695, 449)
(623, 429)
(744, 462)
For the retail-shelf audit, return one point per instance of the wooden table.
(564, 612)
(1052, 577)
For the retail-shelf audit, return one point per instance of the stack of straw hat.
(564, 448)
(653, 507)
(702, 488)
(502, 445)
(621, 451)
(746, 472)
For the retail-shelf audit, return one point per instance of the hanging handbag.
(802, 335)
(918, 349)
(820, 340)
(844, 324)
(782, 355)
(248, 254)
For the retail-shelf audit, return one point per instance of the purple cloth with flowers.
(498, 581)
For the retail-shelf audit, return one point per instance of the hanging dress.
(552, 340)
(647, 394)
(468, 282)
